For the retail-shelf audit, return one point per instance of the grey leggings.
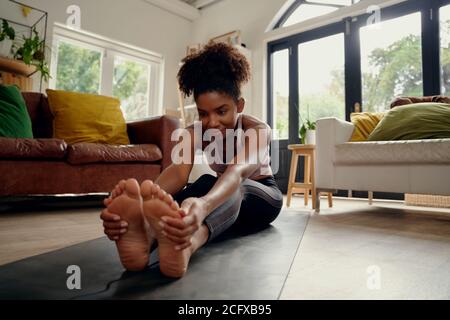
(254, 205)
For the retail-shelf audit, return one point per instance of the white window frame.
(111, 48)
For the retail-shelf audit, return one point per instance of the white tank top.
(219, 166)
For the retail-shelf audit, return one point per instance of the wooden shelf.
(16, 67)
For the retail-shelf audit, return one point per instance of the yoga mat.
(235, 266)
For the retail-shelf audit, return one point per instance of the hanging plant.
(32, 52)
(7, 35)
(7, 31)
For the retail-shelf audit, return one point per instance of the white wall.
(253, 17)
(132, 21)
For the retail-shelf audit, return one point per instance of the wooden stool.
(308, 151)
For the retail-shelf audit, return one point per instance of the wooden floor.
(351, 251)
(26, 234)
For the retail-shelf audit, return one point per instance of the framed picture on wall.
(193, 48)
(233, 38)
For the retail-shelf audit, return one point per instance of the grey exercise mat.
(251, 266)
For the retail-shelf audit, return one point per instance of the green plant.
(32, 52)
(306, 125)
(7, 31)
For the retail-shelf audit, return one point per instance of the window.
(280, 93)
(84, 62)
(78, 68)
(321, 84)
(131, 86)
(391, 61)
(303, 10)
(307, 11)
(444, 14)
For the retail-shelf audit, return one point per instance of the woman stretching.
(243, 194)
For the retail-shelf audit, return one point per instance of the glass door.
(306, 81)
(280, 94)
(391, 61)
(321, 77)
(280, 101)
(444, 24)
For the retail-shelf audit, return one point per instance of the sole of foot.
(134, 245)
(156, 204)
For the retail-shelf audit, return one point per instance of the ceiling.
(199, 4)
(190, 2)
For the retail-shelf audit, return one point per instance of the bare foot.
(134, 245)
(157, 203)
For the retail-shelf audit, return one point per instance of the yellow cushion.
(365, 123)
(81, 117)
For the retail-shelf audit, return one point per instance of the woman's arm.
(175, 177)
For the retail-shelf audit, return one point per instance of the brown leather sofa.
(44, 165)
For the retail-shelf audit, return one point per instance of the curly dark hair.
(217, 67)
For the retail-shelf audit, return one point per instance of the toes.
(146, 189)
(160, 193)
(115, 191)
(169, 200)
(119, 189)
(150, 188)
(155, 190)
(132, 187)
(174, 205)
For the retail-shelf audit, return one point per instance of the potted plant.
(307, 131)
(7, 36)
(32, 52)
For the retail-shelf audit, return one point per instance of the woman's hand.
(113, 226)
(193, 211)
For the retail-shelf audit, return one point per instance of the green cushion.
(14, 118)
(414, 121)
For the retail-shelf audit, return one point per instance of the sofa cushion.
(39, 111)
(14, 119)
(81, 153)
(400, 101)
(434, 151)
(365, 123)
(413, 122)
(21, 148)
(82, 117)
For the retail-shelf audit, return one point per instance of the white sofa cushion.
(435, 151)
